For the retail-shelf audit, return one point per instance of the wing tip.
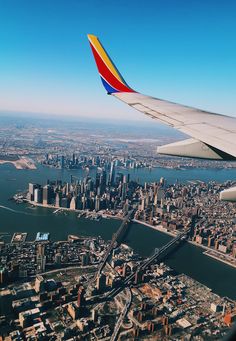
(111, 78)
(91, 37)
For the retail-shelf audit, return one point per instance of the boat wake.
(15, 211)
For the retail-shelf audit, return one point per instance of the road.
(122, 316)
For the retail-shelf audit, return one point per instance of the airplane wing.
(213, 136)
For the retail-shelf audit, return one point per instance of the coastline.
(157, 228)
(104, 215)
(219, 259)
(21, 163)
(206, 248)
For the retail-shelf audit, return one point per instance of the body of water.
(188, 259)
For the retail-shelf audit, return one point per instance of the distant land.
(119, 127)
(22, 162)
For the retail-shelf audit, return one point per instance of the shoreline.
(219, 259)
(20, 163)
(103, 215)
(207, 249)
(157, 228)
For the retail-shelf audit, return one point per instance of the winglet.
(110, 76)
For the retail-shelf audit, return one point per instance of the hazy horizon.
(135, 128)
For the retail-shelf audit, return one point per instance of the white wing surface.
(213, 135)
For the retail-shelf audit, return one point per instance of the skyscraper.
(162, 181)
(65, 202)
(58, 200)
(101, 282)
(39, 283)
(112, 174)
(84, 202)
(38, 195)
(47, 195)
(97, 203)
(81, 299)
(32, 187)
(103, 179)
(73, 204)
(124, 191)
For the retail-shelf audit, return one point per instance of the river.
(188, 259)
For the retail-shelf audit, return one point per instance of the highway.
(127, 282)
(122, 316)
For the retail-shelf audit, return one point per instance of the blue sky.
(184, 51)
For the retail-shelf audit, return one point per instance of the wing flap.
(189, 148)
